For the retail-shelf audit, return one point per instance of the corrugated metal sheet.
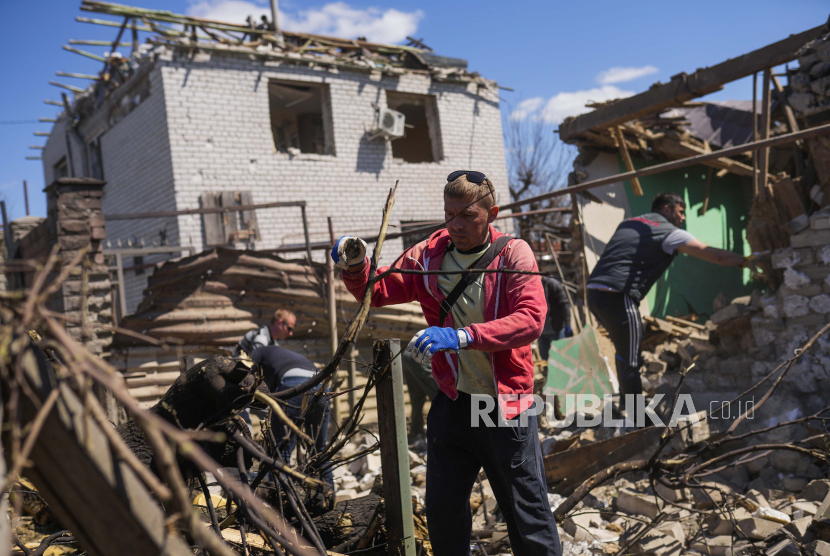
(215, 297)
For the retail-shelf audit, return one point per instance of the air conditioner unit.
(390, 123)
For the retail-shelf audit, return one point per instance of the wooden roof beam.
(685, 87)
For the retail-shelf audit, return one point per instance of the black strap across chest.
(470, 275)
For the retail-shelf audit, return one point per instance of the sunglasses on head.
(472, 176)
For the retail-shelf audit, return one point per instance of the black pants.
(511, 458)
(620, 316)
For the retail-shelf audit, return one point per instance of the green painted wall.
(690, 285)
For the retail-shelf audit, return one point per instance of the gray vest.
(634, 258)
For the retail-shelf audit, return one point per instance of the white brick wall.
(206, 128)
(218, 116)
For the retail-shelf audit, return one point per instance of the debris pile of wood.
(190, 35)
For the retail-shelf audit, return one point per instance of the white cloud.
(562, 105)
(335, 19)
(623, 75)
(526, 108)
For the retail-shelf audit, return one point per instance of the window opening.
(298, 119)
(421, 142)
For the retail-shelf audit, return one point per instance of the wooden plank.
(229, 219)
(212, 222)
(571, 468)
(792, 124)
(763, 159)
(706, 191)
(394, 452)
(249, 216)
(683, 149)
(629, 166)
(96, 496)
(683, 87)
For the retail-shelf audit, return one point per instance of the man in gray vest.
(637, 255)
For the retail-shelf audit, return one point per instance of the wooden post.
(122, 295)
(791, 123)
(629, 166)
(574, 312)
(332, 314)
(26, 196)
(702, 210)
(755, 135)
(394, 451)
(88, 488)
(352, 380)
(765, 121)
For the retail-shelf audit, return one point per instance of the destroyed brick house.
(219, 120)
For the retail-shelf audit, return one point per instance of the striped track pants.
(620, 316)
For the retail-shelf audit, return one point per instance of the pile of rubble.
(722, 520)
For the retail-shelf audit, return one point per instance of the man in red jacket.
(478, 342)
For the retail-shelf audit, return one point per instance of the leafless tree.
(537, 162)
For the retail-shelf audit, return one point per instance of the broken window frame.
(229, 228)
(323, 91)
(395, 99)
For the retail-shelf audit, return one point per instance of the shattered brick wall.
(809, 96)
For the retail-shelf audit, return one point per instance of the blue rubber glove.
(348, 251)
(567, 332)
(427, 342)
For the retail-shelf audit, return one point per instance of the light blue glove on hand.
(348, 251)
(426, 342)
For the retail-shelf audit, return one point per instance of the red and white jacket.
(514, 313)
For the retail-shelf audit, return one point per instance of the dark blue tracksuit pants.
(511, 458)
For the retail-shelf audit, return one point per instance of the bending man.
(637, 255)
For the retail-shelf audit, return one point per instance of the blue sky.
(555, 54)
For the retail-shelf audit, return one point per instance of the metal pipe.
(672, 165)
(305, 233)
(206, 210)
(26, 196)
(122, 295)
(275, 16)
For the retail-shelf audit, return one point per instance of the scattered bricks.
(784, 547)
(799, 527)
(708, 498)
(815, 491)
(757, 528)
(671, 494)
(811, 238)
(728, 313)
(820, 304)
(577, 525)
(630, 502)
(793, 484)
(713, 546)
(819, 548)
(820, 220)
(794, 306)
(758, 498)
(719, 523)
(673, 529)
(795, 280)
(656, 367)
(658, 544)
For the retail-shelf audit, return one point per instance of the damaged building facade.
(202, 123)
